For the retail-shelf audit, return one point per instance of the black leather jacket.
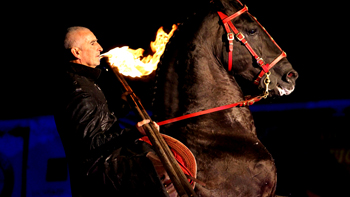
(90, 132)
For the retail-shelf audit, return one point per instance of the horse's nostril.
(291, 75)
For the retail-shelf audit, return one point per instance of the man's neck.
(78, 61)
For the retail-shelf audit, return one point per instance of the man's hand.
(143, 122)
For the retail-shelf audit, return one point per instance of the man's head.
(83, 45)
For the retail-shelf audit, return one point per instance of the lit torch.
(132, 63)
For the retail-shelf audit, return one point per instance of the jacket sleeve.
(96, 126)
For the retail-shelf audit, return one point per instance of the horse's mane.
(181, 41)
(184, 28)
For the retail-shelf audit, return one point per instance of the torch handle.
(178, 178)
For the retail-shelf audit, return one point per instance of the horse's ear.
(220, 5)
(226, 6)
(217, 5)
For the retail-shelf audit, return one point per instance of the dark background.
(305, 131)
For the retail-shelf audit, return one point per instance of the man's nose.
(100, 47)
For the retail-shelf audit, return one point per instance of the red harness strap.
(230, 35)
(267, 67)
(239, 104)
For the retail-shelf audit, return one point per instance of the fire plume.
(132, 63)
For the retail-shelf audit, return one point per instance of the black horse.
(193, 76)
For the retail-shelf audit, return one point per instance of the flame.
(132, 63)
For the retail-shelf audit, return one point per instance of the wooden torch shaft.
(178, 178)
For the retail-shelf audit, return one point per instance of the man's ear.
(76, 52)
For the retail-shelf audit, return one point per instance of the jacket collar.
(88, 72)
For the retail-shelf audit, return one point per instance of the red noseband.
(226, 20)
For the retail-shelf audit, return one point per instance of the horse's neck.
(194, 78)
(206, 79)
(209, 85)
(214, 87)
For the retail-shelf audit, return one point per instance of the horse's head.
(254, 52)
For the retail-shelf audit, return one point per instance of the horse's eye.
(252, 31)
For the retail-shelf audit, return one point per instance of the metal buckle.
(267, 82)
(260, 61)
(240, 36)
(230, 36)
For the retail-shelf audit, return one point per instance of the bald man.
(83, 45)
(104, 160)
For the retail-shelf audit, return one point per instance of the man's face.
(89, 49)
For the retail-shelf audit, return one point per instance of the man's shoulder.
(73, 77)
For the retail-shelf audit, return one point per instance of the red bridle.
(226, 20)
(265, 66)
